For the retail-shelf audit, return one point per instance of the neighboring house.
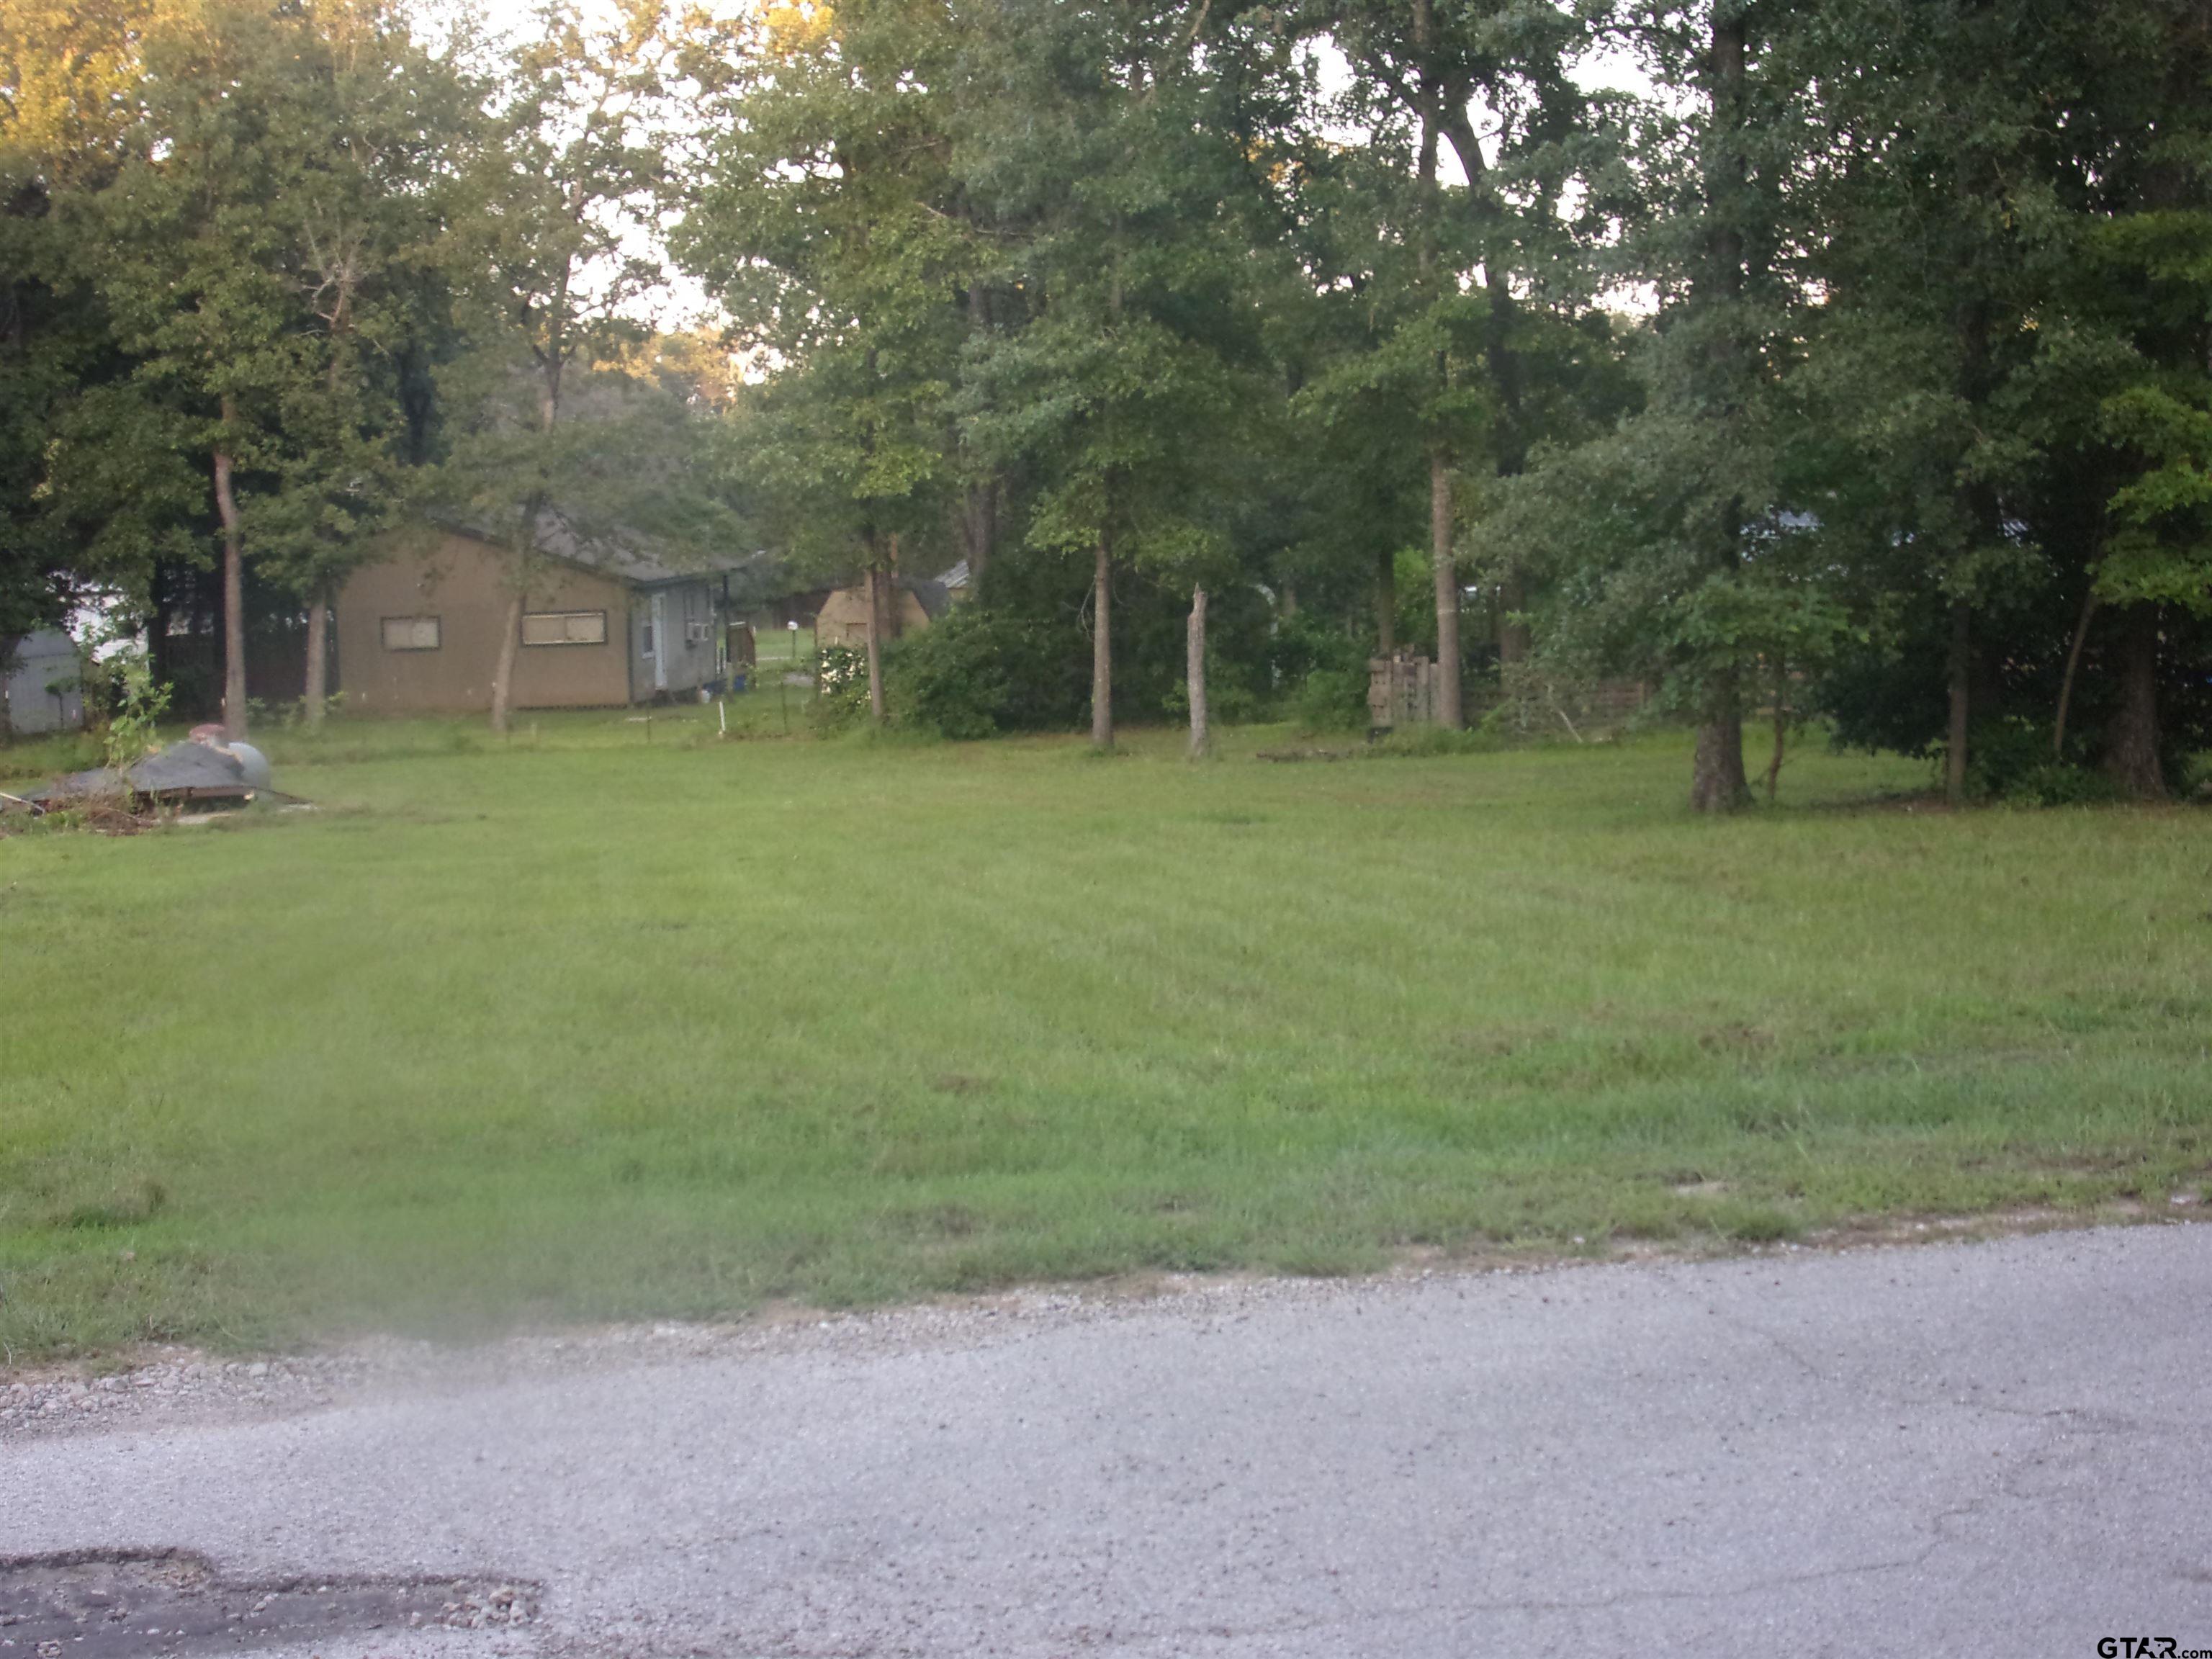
(604, 624)
(38, 663)
(843, 618)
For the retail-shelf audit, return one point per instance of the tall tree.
(376, 121)
(548, 257)
(1490, 249)
(1089, 130)
(70, 76)
(824, 220)
(2149, 277)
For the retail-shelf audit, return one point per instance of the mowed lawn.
(588, 1027)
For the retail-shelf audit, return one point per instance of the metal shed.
(29, 704)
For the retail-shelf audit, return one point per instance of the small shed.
(843, 618)
(43, 690)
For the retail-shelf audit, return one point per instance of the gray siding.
(40, 660)
(688, 620)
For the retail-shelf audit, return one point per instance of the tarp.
(183, 771)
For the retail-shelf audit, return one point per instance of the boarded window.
(565, 628)
(410, 633)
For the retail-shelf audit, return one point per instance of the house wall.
(691, 617)
(459, 582)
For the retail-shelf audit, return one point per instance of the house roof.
(644, 561)
(934, 595)
(930, 592)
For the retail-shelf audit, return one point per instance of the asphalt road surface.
(1997, 1448)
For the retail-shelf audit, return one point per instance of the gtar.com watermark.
(2147, 1647)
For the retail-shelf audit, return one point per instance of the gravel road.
(1965, 1449)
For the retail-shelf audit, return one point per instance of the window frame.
(565, 616)
(437, 632)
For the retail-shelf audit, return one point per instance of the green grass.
(582, 1025)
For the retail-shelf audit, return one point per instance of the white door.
(659, 643)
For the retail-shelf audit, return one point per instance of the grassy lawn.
(616, 1021)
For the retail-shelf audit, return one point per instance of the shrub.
(978, 672)
(2010, 759)
(840, 688)
(1331, 700)
(1321, 672)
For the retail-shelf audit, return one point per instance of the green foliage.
(827, 220)
(840, 689)
(135, 708)
(2010, 759)
(977, 673)
(1320, 669)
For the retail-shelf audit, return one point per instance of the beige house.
(603, 625)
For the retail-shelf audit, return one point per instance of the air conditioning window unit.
(695, 633)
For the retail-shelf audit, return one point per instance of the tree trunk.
(1717, 779)
(2131, 755)
(314, 693)
(1443, 567)
(979, 527)
(875, 644)
(1513, 642)
(2073, 667)
(233, 592)
(894, 613)
(1202, 736)
(1718, 783)
(1781, 728)
(1962, 698)
(1448, 711)
(502, 673)
(1386, 604)
(1102, 648)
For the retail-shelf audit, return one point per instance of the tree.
(2150, 276)
(69, 76)
(229, 239)
(1099, 130)
(375, 120)
(545, 257)
(1489, 253)
(824, 220)
(1667, 539)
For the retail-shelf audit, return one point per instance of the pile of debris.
(201, 775)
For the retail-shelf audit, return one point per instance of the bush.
(2056, 784)
(1321, 671)
(2010, 759)
(840, 688)
(976, 672)
(1331, 700)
